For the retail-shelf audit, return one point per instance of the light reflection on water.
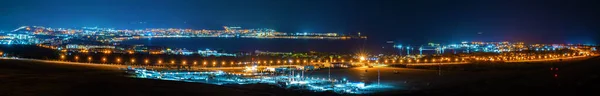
(252, 44)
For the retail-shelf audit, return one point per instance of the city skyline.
(388, 20)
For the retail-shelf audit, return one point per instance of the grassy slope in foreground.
(26, 78)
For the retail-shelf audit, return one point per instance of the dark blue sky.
(407, 21)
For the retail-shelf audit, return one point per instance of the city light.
(307, 83)
(130, 52)
(362, 58)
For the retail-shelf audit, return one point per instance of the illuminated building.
(208, 52)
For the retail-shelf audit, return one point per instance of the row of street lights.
(361, 59)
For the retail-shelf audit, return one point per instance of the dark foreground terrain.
(567, 78)
(563, 78)
(29, 78)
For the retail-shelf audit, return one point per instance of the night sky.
(404, 21)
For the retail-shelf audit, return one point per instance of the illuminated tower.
(407, 50)
(421, 50)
